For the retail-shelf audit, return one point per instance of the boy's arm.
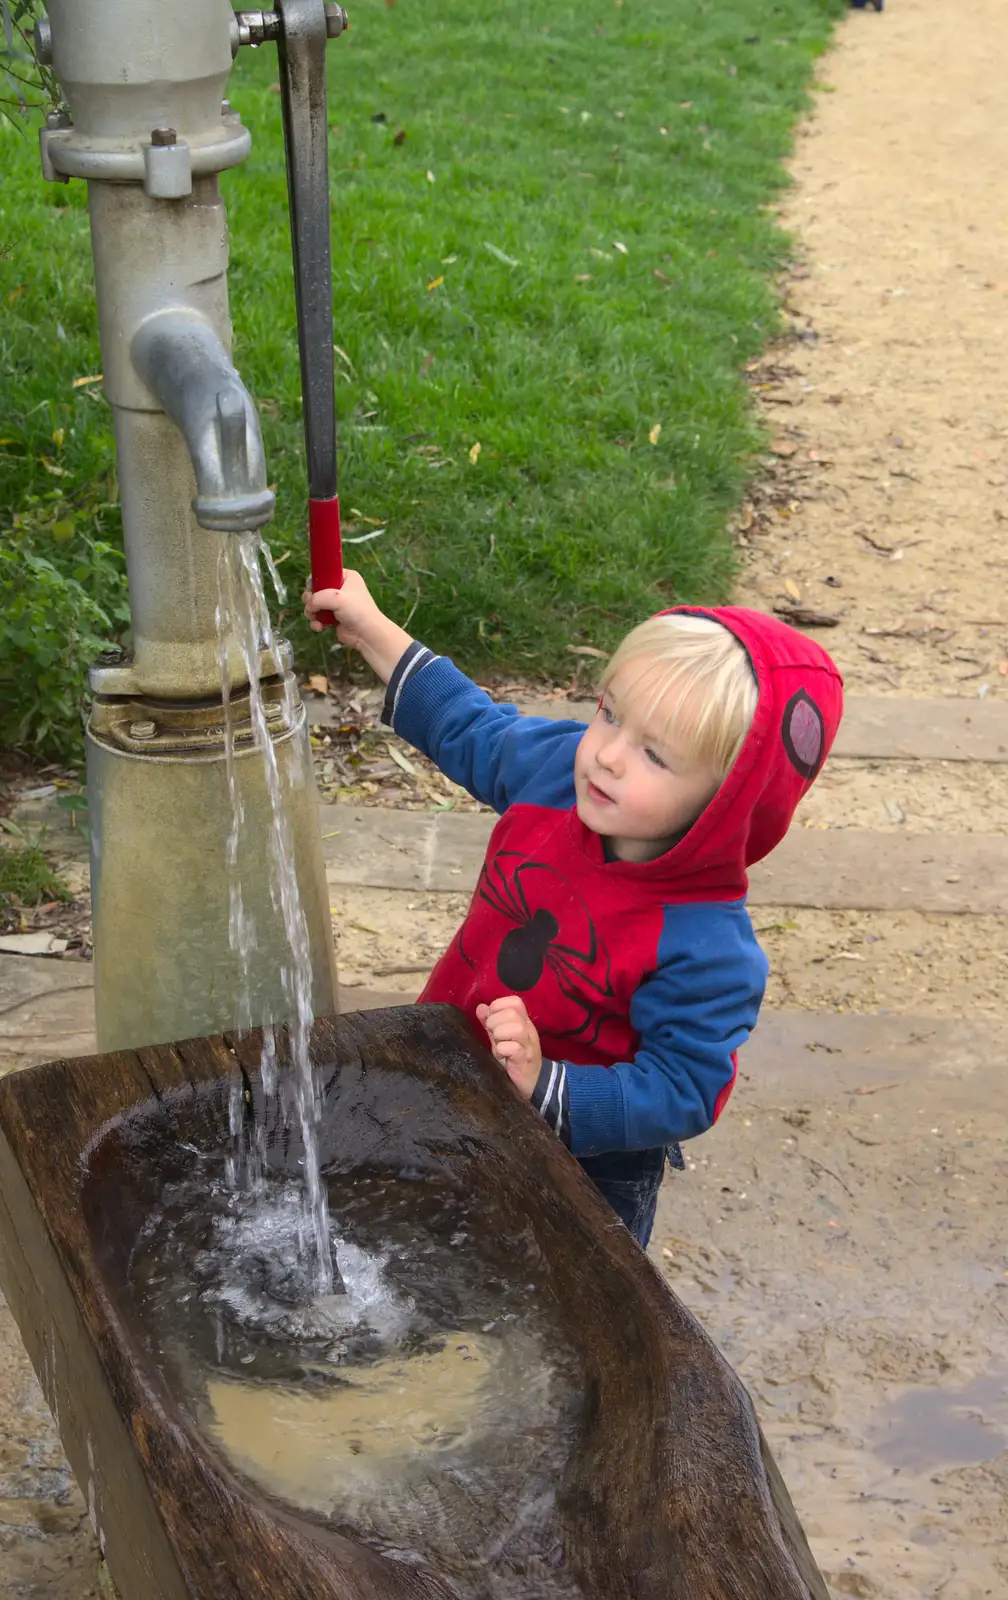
(494, 752)
(691, 1015)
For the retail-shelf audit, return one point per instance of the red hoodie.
(641, 978)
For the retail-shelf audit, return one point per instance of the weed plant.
(26, 877)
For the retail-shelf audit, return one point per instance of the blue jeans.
(630, 1180)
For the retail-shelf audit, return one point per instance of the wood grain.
(669, 1491)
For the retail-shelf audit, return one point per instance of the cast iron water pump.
(150, 131)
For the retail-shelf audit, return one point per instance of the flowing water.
(428, 1406)
(242, 612)
(372, 1349)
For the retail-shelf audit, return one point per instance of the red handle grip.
(326, 547)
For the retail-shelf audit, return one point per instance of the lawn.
(554, 253)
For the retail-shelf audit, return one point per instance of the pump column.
(149, 131)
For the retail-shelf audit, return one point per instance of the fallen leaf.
(791, 588)
(586, 650)
(399, 137)
(80, 383)
(474, 453)
(448, 261)
(430, 175)
(435, 283)
(365, 538)
(618, 244)
(1003, 667)
(895, 810)
(59, 434)
(783, 447)
(402, 761)
(655, 433)
(803, 617)
(53, 469)
(499, 255)
(582, 277)
(318, 684)
(15, 292)
(660, 275)
(32, 944)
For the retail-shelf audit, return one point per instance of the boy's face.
(636, 783)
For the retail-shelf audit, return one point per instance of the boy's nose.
(612, 752)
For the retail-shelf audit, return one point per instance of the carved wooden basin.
(501, 1399)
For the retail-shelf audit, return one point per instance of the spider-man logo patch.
(804, 734)
(546, 938)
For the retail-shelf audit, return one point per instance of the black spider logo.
(533, 945)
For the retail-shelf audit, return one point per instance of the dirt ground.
(847, 1253)
(846, 1250)
(885, 500)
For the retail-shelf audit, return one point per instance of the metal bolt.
(225, 108)
(58, 119)
(43, 42)
(337, 21)
(163, 136)
(142, 730)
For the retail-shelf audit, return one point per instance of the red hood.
(799, 710)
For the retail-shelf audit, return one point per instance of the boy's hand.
(353, 607)
(514, 1041)
(360, 624)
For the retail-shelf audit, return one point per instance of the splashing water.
(242, 612)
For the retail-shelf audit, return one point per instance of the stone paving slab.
(47, 1009)
(876, 728)
(832, 869)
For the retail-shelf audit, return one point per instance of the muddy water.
(426, 1406)
(942, 1427)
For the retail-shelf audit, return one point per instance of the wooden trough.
(667, 1489)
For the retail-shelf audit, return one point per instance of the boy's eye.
(607, 715)
(653, 755)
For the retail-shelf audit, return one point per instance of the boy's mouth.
(599, 796)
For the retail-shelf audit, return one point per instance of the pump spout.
(179, 357)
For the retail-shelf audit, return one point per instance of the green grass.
(552, 137)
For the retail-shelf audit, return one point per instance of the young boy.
(607, 950)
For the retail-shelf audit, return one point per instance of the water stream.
(242, 612)
(396, 1369)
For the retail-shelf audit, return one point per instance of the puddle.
(928, 1428)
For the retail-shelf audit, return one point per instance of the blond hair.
(697, 676)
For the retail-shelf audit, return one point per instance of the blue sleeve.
(497, 754)
(690, 1015)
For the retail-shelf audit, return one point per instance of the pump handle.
(301, 49)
